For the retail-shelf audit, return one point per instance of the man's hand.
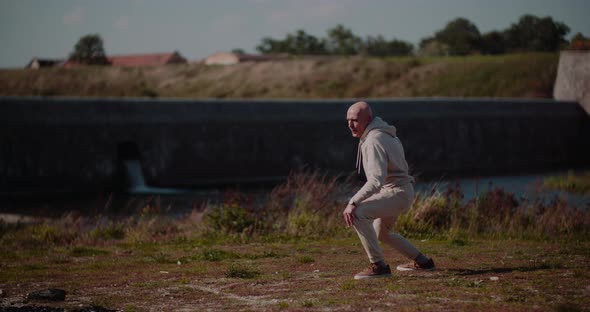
(349, 214)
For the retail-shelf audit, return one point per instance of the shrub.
(492, 213)
(111, 230)
(307, 204)
(231, 217)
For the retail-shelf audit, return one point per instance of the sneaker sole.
(401, 268)
(356, 277)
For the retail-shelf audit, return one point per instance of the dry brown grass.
(353, 77)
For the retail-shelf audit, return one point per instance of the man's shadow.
(467, 272)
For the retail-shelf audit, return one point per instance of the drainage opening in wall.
(129, 162)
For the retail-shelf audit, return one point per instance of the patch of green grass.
(458, 242)
(283, 305)
(266, 254)
(35, 267)
(130, 308)
(195, 269)
(306, 259)
(237, 271)
(216, 255)
(511, 75)
(286, 275)
(160, 257)
(184, 281)
(348, 285)
(307, 303)
(83, 251)
(112, 230)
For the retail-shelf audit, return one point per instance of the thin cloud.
(75, 16)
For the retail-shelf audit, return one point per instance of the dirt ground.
(300, 275)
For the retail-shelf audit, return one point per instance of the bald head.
(359, 115)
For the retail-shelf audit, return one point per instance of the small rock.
(2, 293)
(494, 278)
(51, 294)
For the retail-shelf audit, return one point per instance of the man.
(388, 193)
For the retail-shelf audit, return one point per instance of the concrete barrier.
(573, 78)
(75, 144)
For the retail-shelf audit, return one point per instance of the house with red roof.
(131, 60)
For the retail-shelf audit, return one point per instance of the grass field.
(291, 252)
(195, 275)
(511, 75)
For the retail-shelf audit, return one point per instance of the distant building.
(229, 58)
(134, 60)
(37, 63)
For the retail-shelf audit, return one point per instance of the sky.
(198, 28)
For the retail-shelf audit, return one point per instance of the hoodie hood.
(377, 124)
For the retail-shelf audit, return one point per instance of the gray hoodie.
(381, 154)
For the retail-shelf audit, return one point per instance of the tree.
(400, 47)
(299, 43)
(302, 43)
(461, 36)
(375, 46)
(341, 41)
(378, 46)
(493, 43)
(270, 45)
(532, 33)
(89, 50)
(238, 51)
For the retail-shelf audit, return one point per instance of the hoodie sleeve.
(375, 164)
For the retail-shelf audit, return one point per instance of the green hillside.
(512, 75)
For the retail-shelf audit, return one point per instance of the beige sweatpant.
(375, 217)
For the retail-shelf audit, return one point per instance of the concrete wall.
(71, 144)
(573, 78)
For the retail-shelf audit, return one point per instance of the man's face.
(357, 121)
